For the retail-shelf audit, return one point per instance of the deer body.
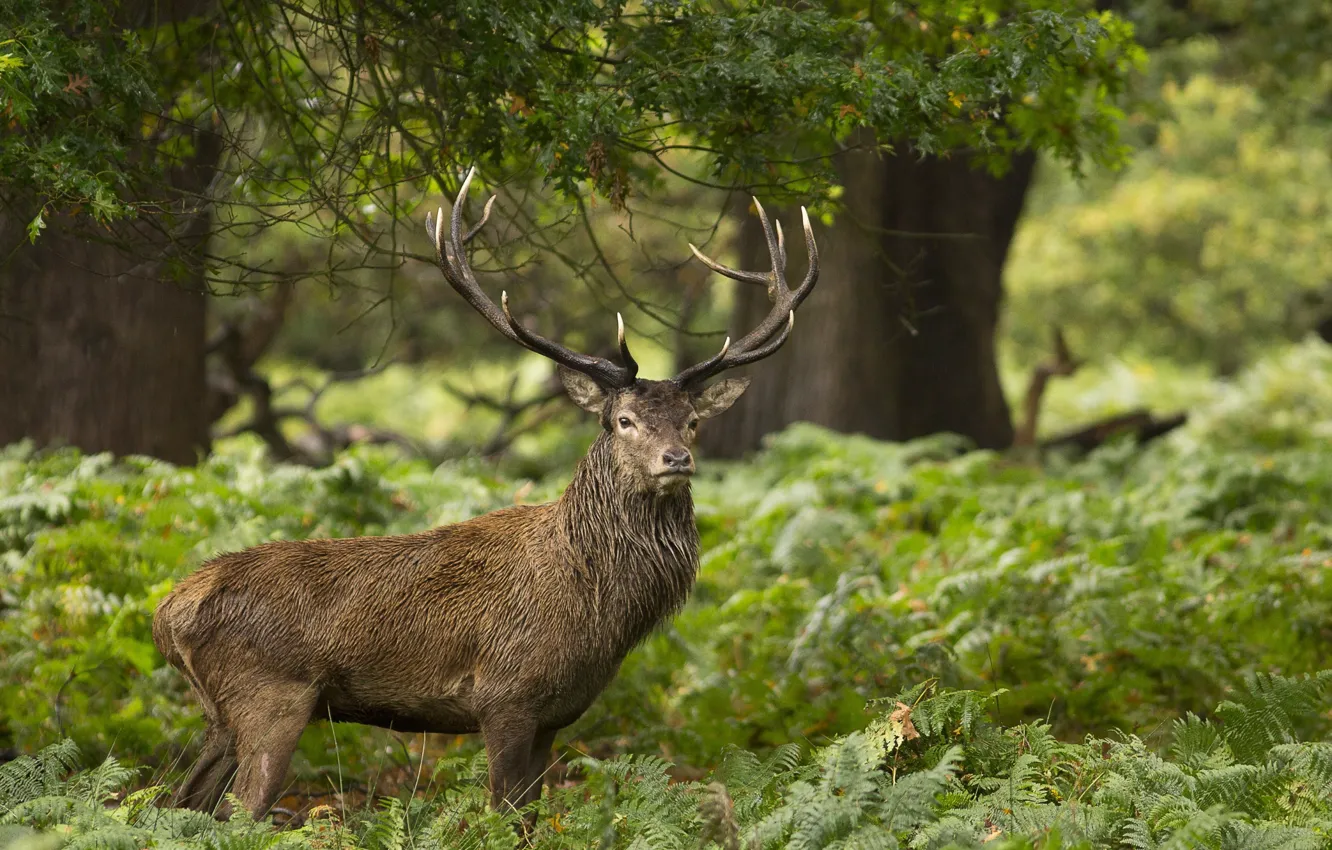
(421, 633)
(509, 624)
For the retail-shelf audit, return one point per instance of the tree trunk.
(100, 347)
(898, 339)
(95, 357)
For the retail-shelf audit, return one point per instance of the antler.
(453, 262)
(772, 332)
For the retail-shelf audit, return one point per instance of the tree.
(899, 339)
(916, 289)
(1208, 247)
(102, 314)
(905, 328)
(342, 118)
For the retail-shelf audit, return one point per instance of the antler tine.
(812, 275)
(776, 279)
(625, 357)
(485, 217)
(598, 369)
(703, 371)
(776, 327)
(759, 278)
(453, 262)
(767, 348)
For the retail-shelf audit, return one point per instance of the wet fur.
(509, 624)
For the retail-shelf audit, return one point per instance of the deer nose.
(677, 460)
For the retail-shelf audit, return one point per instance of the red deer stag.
(509, 624)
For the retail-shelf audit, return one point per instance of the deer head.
(651, 424)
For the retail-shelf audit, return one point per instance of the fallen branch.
(1140, 423)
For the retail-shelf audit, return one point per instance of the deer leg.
(537, 760)
(267, 731)
(212, 772)
(509, 741)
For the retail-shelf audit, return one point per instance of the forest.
(1019, 536)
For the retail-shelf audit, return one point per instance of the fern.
(939, 714)
(387, 828)
(975, 786)
(1199, 745)
(913, 800)
(1266, 713)
(1239, 835)
(29, 777)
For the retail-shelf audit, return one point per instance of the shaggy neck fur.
(641, 549)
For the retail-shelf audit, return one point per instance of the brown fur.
(509, 624)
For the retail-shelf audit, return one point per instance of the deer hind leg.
(268, 727)
(212, 773)
(509, 740)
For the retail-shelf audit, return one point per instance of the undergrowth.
(1126, 591)
(931, 772)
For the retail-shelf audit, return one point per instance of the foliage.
(356, 102)
(73, 89)
(1117, 591)
(1210, 246)
(1244, 782)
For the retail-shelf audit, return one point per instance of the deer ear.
(719, 397)
(583, 390)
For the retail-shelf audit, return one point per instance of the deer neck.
(641, 549)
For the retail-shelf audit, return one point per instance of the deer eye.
(693, 423)
(625, 422)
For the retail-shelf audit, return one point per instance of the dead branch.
(1063, 364)
(238, 345)
(318, 445)
(1140, 423)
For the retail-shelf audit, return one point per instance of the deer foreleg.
(509, 740)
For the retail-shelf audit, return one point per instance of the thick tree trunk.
(100, 347)
(94, 356)
(898, 339)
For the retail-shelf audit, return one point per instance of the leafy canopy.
(351, 108)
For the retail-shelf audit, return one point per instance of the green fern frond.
(101, 783)
(1239, 787)
(1198, 744)
(913, 799)
(1267, 712)
(386, 829)
(1239, 835)
(1202, 829)
(29, 777)
(109, 835)
(45, 812)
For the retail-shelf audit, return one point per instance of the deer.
(509, 624)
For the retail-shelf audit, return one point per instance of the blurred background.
(1053, 425)
(214, 228)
